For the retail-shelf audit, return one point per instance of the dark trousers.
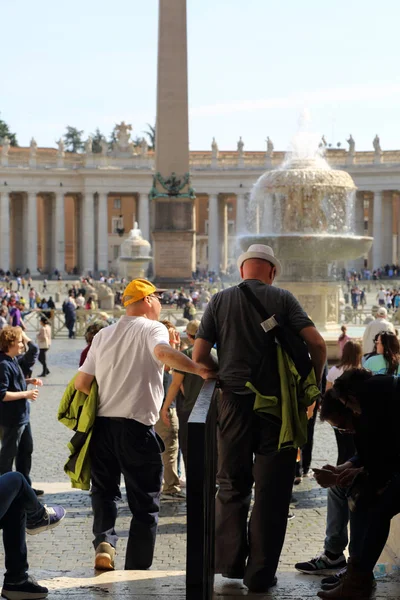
(303, 466)
(16, 444)
(42, 359)
(183, 417)
(17, 502)
(247, 453)
(133, 449)
(376, 523)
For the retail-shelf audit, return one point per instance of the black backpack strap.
(252, 298)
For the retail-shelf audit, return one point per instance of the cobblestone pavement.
(69, 547)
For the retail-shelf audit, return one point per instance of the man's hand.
(164, 415)
(346, 478)
(325, 478)
(34, 381)
(206, 373)
(331, 468)
(32, 394)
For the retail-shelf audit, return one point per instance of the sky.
(254, 66)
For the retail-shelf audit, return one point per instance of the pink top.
(342, 342)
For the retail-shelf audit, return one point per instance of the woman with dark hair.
(386, 361)
(343, 338)
(44, 341)
(351, 359)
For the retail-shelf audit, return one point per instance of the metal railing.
(200, 493)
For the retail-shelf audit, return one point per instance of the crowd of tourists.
(270, 363)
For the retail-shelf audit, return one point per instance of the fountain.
(305, 211)
(135, 255)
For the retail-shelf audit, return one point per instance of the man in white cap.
(372, 329)
(233, 324)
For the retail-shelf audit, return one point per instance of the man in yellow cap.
(127, 361)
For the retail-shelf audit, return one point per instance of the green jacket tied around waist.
(296, 396)
(78, 411)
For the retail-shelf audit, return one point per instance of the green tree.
(113, 138)
(73, 139)
(137, 141)
(5, 132)
(151, 134)
(97, 138)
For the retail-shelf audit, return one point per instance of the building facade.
(60, 210)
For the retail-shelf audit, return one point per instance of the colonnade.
(27, 229)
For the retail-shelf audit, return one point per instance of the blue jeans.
(16, 444)
(337, 519)
(18, 503)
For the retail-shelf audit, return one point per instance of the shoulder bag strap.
(252, 298)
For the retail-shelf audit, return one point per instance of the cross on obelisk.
(171, 194)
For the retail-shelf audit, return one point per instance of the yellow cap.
(138, 289)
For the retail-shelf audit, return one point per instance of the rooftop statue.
(214, 148)
(270, 146)
(104, 146)
(240, 146)
(5, 146)
(352, 144)
(377, 144)
(144, 148)
(88, 146)
(33, 147)
(61, 147)
(123, 136)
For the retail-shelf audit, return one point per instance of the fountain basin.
(311, 247)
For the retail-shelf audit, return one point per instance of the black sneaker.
(52, 517)
(321, 565)
(28, 590)
(329, 583)
(290, 516)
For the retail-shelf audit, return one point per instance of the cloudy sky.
(254, 66)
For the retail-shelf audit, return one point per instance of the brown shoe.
(354, 585)
(105, 554)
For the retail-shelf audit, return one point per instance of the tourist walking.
(343, 338)
(43, 339)
(245, 354)
(15, 428)
(127, 361)
(69, 310)
(372, 329)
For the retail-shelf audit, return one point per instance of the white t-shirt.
(129, 376)
(334, 373)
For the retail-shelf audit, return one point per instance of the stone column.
(144, 215)
(213, 233)
(87, 231)
(241, 214)
(59, 232)
(31, 232)
(377, 231)
(224, 210)
(102, 233)
(4, 231)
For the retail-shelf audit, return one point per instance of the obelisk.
(171, 196)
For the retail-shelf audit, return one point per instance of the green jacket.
(78, 411)
(296, 397)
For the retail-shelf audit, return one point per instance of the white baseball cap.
(263, 252)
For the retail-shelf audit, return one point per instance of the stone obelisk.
(171, 195)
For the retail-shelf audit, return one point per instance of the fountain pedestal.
(319, 299)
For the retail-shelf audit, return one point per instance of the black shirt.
(16, 412)
(377, 436)
(233, 324)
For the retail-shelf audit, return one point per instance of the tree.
(137, 141)
(5, 132)
(97, 138)
(151, 134)
(73, 139)
(113, 138)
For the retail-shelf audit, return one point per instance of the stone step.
(160, 585)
